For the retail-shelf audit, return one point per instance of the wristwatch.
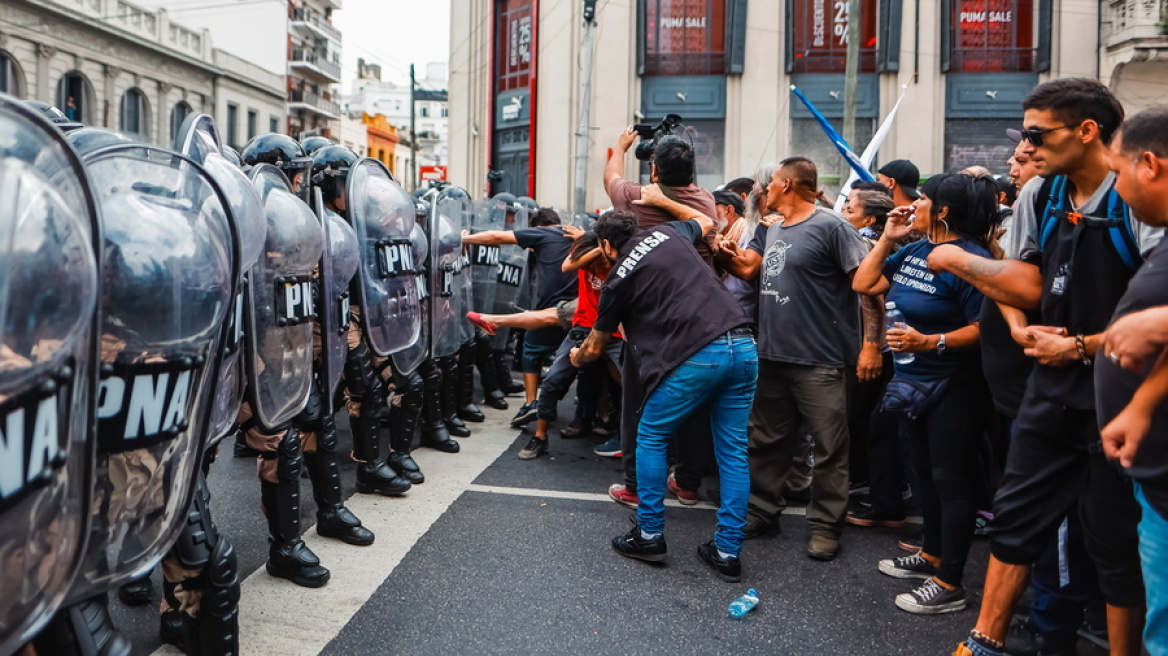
(941, 344)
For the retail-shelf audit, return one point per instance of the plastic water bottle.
(894, 318)
(744, 604)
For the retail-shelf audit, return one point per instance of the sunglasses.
(1034, 136)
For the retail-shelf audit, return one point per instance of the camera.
(651, 134)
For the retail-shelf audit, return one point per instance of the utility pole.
(851, 75)
(585, 115)
(413, 130)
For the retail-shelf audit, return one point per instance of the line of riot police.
(157, 301)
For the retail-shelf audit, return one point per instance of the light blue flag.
(841, 145)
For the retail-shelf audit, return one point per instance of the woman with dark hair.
(939, 392)
(867, 210)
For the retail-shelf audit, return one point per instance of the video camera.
(651, 134)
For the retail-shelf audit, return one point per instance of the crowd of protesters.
(1020, 394)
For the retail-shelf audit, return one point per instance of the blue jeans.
(723, 375)
(1154, 560)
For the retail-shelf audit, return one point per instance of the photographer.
(691, 356)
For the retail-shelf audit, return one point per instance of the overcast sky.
(393, 33)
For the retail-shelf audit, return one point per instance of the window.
(73, 96)
(178, 114)
(233, 125)
(425, 112)
(273, 124)
(514, 54)
(133, 117)
(445, 111)
(990, 36)
(253, 119)
(9, 83)
(685, 37)
(818, 34)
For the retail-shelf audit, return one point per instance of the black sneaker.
(528, 413)
(907, 567)
(729, 569)
(632, 545)
(932, 599)
(871, 517)
(912, 543)
(535, 448)
(1023, 639)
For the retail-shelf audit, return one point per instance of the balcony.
(313, 22)
(1135, 30)
(322, 64)
(312, 102)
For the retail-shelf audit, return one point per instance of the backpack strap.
(1046, 207)
(1120, 230)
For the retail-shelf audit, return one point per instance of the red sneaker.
(686, 497)
(478, 320)
(621, 495)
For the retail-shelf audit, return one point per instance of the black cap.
(906, 174)
(1014, 134)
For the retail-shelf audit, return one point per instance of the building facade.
(372, 96)
(314, 69)
(113, 64)
(726, 67)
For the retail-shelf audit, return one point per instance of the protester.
(940, 394)
(1072, 270)
(902, 178)
(809, 332)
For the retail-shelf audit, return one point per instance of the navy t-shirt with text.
(933, 303)
(550, 247)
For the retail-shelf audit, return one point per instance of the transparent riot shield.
(49, 238)
(487, 214)
(382, 214)
(338, 265)
(198, 139)
(168, 282)
(447, 278)
(407, 360)
(280, 304)
(510, 274)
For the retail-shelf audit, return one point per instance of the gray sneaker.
(931, 599)
(907, 567)
(534, 449)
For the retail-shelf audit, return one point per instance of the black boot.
(288, 556)
(467, 410)
(503, 375)
(449, 368)
(83, 628)
(484, 360)
(333, 519)
(136, 592)
(374, 476)
(434, 432)
(403, 422)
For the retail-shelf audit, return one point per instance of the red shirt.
(588, 300)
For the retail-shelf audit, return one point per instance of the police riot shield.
(382, 214)
(280, 304)
(198, 139)
(168, 281)
(407, 360)
(447, 276)
(48, 360)
(338, 265)
(510, 275)
(488, 214)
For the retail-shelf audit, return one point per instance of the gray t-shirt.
(807, 311)
(1021, 239)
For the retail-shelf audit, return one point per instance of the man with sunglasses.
(1072, 248)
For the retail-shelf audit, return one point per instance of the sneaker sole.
(882, 523)
(911, 548)
(648, 558)
(906, 603)
(822, 555)
(897, 573)
(608, 454)
(524, 455)
(683, 500)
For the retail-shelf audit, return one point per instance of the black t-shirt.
(1115, 386)
(550, 247)
(667, 300)
(1005, 365)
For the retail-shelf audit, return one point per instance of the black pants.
(1056, 463)
(889, 463)
(863, 398)
(945, 444)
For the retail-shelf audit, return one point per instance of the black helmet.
(330, 169)
(504, 198)
(87, 140)
(528, 202)
(284, 152)
(313, 144)
(54, 115)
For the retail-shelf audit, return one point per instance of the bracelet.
(1081, 346)
(986, 640)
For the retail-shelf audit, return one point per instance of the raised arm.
(615, 167)
(1011, 282)
(653, 196)
(489, 238)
